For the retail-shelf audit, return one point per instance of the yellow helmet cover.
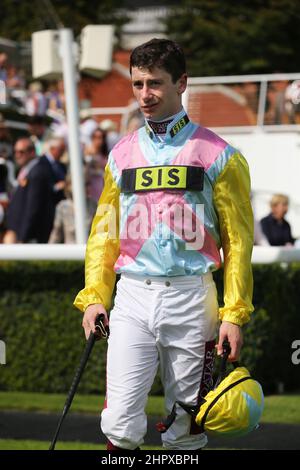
(234, 407)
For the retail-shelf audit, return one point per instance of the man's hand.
(89, 318)
(233, 334)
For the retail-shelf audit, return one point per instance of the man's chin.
(149, 114)
(152, 113)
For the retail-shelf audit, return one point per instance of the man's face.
(36, 129)
(279, 210)
(23, 153)
(3, 59)
(57, 151)
(155, 92)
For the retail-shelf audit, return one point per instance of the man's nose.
(146, 93)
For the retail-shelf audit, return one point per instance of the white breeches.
(159, 320)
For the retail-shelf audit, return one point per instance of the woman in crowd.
(276, 229)
(95, 156)
(64, 222)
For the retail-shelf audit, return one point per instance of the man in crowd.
(51, 159)
(38, 132)
(31, 210)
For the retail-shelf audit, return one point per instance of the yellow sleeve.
(232, 202)
(102, 249)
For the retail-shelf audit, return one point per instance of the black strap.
(164, 425)
(202, 424)
(223, 367)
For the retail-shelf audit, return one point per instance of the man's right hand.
(89, 318)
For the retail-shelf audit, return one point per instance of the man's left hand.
(233, 334)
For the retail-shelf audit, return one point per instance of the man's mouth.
(148, 107)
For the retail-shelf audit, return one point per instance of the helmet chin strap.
(193, 410)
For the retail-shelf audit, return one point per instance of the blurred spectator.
(3, 66)
(64, 223)
(110, 128)
(276, 229)
(6, 143)
(3, 179)
(55, 96)
(51, 160)
(36, 102)
(14, 78)
(11, 181)
(2, 226)
(60, 129)
(30, 212)
(3, 195)
(87, 126)
(292, 101)
(38, 132)
(61, 93)
(135, 122)
(96, 158)
(6, 150)
(250, 91)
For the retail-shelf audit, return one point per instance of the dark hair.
(104, 146)
(36, 119)
(161, 53)
(30, 144)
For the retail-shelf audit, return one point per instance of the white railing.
(217, 80)
(32, 251)
(61, 252)
(200, 84)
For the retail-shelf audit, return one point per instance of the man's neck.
(159, 127)
(167, 118)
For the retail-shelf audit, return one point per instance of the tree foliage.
(19, 18)
(231, 37)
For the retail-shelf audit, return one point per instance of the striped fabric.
(151, 241)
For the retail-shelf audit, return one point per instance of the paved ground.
(85, 428)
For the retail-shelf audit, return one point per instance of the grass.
(14, 444)
(283, 409)
(278, 409)
(90, 404)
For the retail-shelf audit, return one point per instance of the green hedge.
(44, 338)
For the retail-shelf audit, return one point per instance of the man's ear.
(182, 84)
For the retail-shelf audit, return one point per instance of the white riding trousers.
(159, 320)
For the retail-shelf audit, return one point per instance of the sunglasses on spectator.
(22, 152)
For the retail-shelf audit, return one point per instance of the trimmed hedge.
(42, 330)
(44, 338)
